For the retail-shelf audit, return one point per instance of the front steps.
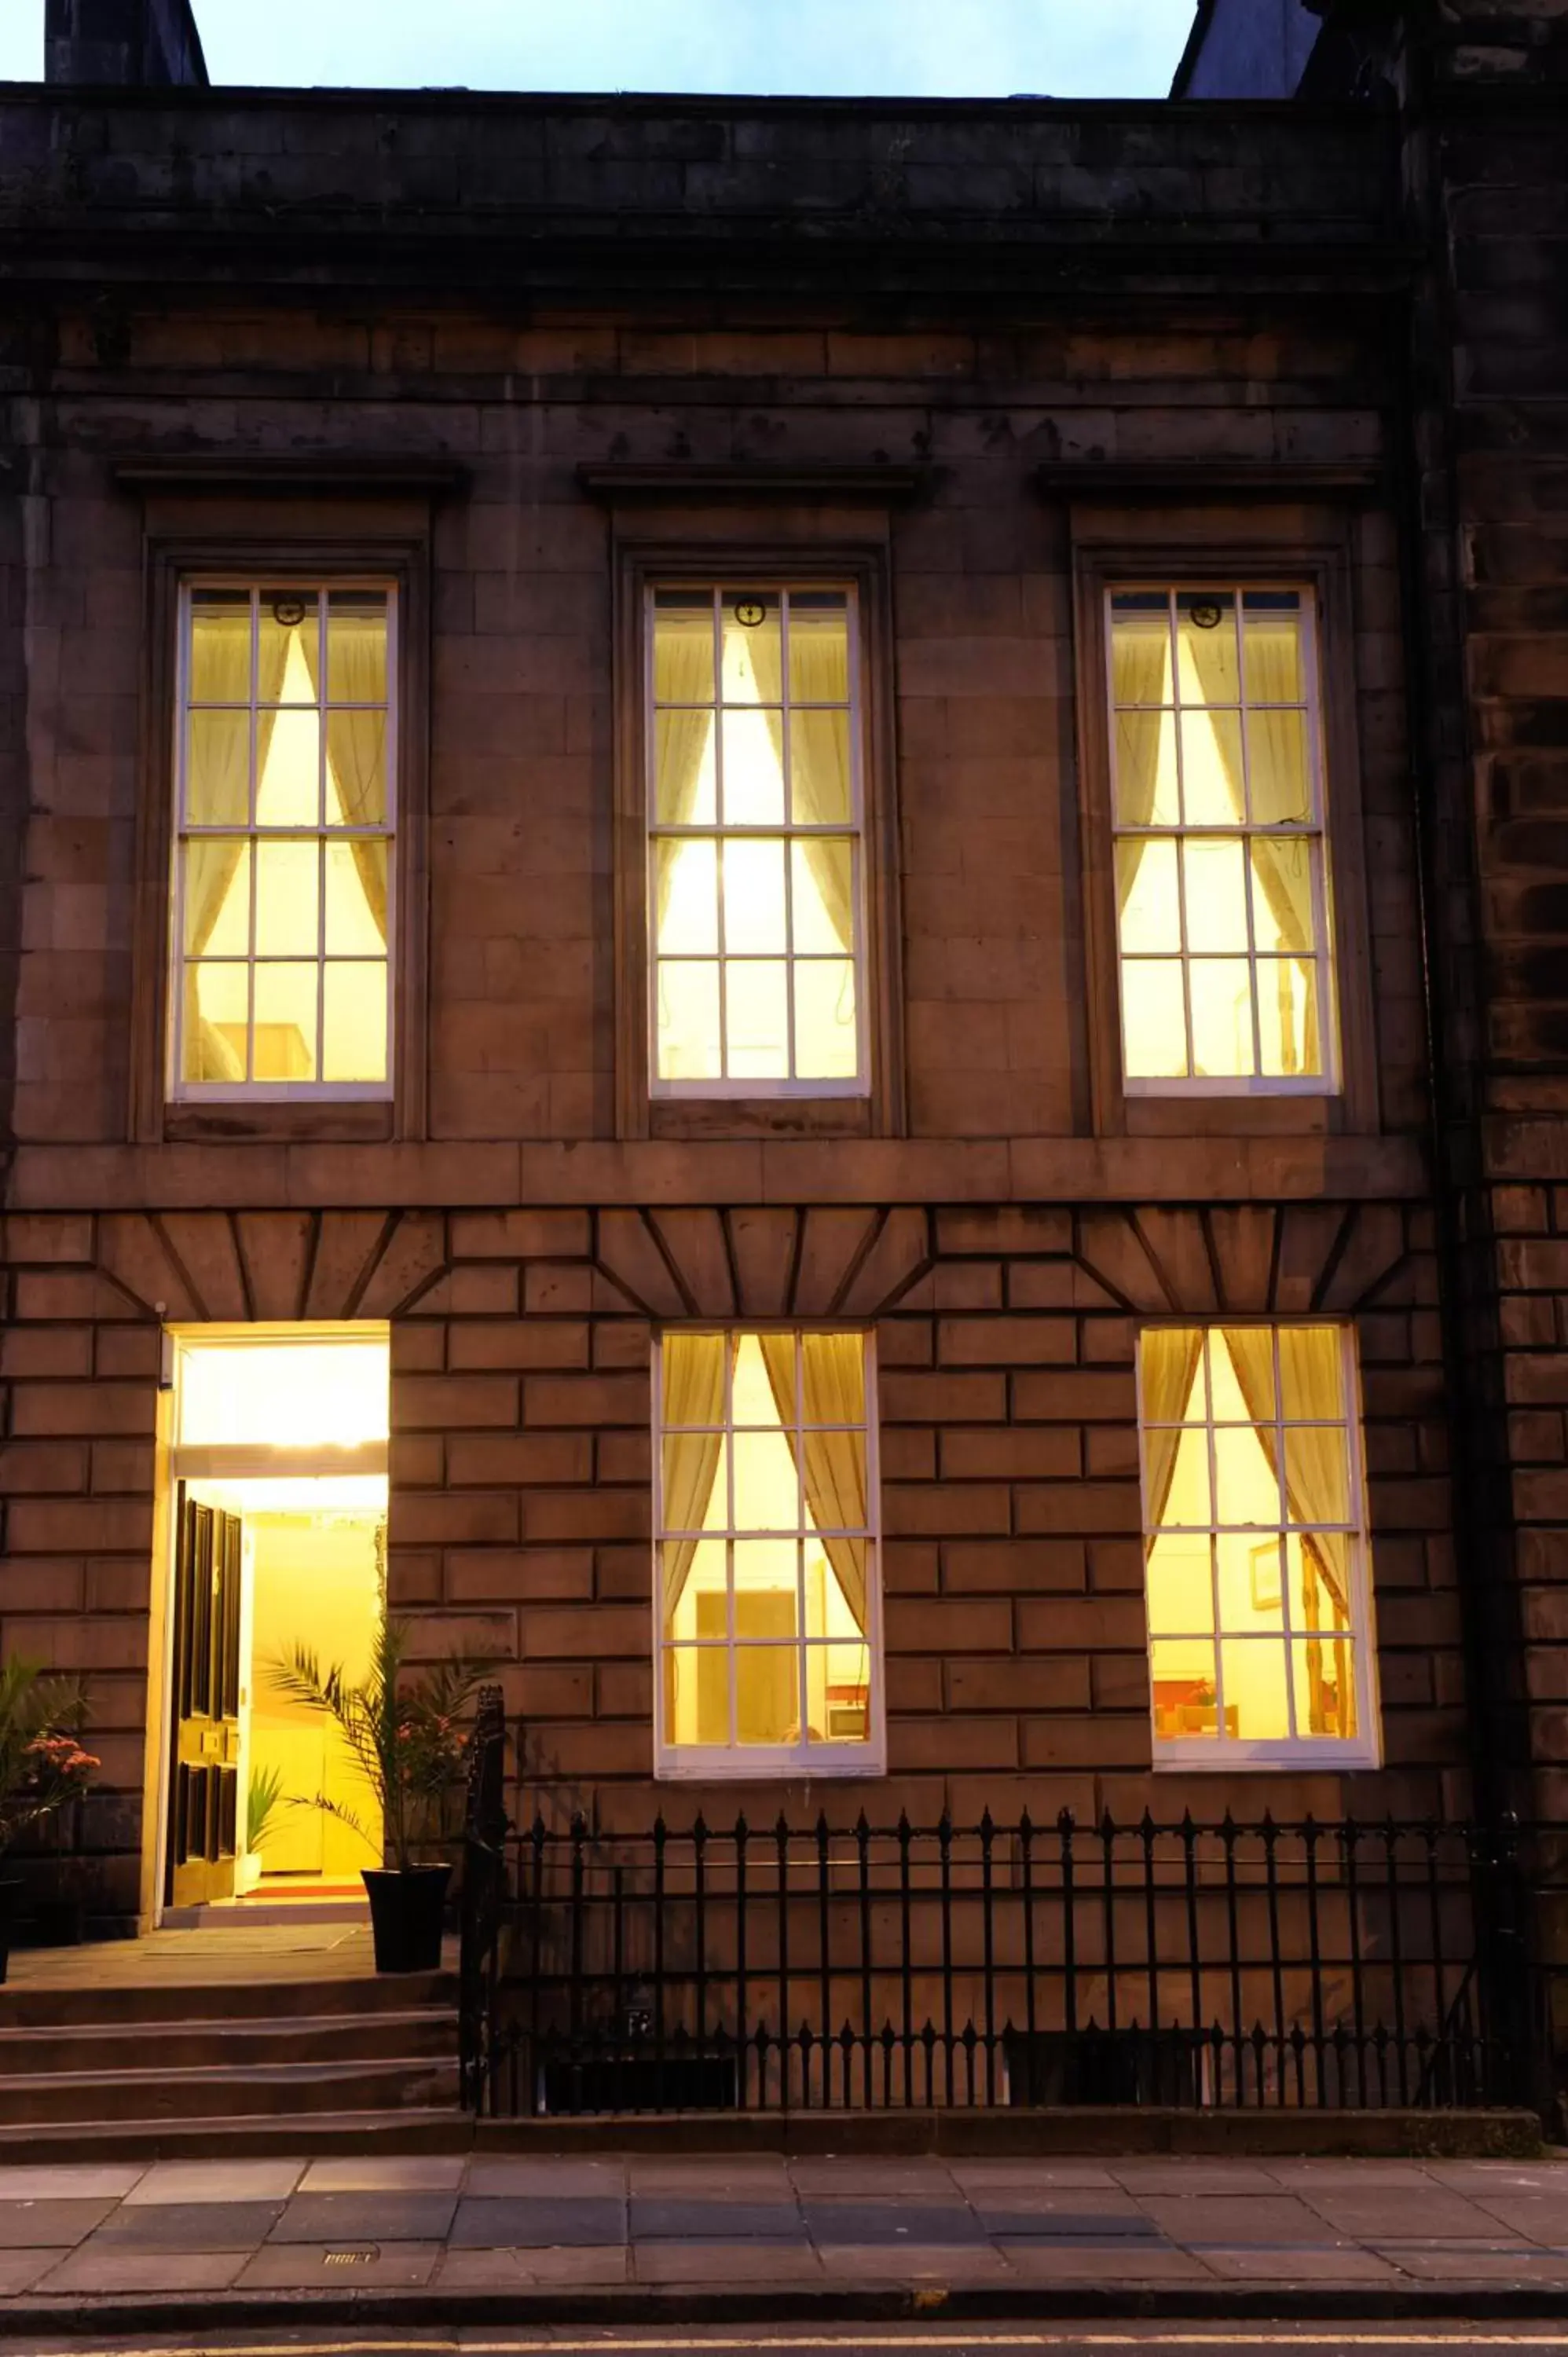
(239, 2067)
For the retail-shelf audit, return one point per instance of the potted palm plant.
(263, 1795)
(43, 1767)
(403, 1734)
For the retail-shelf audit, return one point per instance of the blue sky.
(1067, 49)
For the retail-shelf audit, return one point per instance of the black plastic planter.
(406, 1909)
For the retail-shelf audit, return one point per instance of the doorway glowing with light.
(278, 1499)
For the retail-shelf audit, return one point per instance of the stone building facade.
(521, 360)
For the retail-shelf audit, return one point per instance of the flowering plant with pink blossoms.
(43, 1766)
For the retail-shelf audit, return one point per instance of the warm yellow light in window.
(283, 1394)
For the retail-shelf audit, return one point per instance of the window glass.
(767, 1549)
(1219, 855)
(754, 872)
(281, 862)
(1255, 1542)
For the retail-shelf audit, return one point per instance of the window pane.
(1221, 1018)
(288, 754)
(838, 1690)
(833, 1366)
(1208, 667)
(767, 1486)
(689, 1021)
(1288, 1019)
(219, 646)
(218, 768)
(1248, 1486)
(1283, 913)
(217, 914)
(1213, 780)
(766, 1587)
(686, 898)
(757, 1016)
(827, 1040)
(754, 898)
(694, 1479)
(1153, 1019)
(1251, 1585)
(685, 769)
(822, 777)
(767, 1693)
(356, 1021)
(1242, 1374)
(1214, 876)
(1271, 627)
(1257, 1709)
(1323, 1671)
(1279, 769)
(1317, 1479)
(216, 1014)
(289, 647)
(819, 647)
(692, 1375)
(357, 646)
(356, 898)
(835, 1589)
(287, 915)
(1317, 1569)
(684, 647)
(755, 1403)
(753, 779)
(1312, 1374)
(1177, 1461)
(1141, 648)
(821, 883)
(285, 1022)
(1149, 897)
(356, 768)
(1182, 1683)
(695, 1595)
(1180, 1587)
(1147, 789)
(752, 655)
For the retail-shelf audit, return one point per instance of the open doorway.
(278, 1542)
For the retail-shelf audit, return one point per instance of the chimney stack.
(128, 44)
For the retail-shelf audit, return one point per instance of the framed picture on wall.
(1264, 1565)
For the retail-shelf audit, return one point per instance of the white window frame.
(761, 1763)
(1218, 1753)
(179, 1091)
(785, 831)
(1330, 1080)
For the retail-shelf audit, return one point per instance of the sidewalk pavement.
(471, 2235)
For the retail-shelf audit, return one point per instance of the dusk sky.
(816, 47)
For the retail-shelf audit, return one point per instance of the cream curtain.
(834, 1392)
(1316, 1474)
(1168, 1358)
(1283, 869)
(821, 758)
(682, 674)
(357, 741)
(693, 1393)
(219, 779)
(1140, 673)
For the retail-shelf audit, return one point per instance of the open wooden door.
(204, 1768)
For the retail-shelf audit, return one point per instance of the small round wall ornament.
(1206, 613)
(288, 612)
(750, 613)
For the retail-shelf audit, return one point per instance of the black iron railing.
(1304, 1965)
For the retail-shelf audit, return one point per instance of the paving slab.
(365, 2218)
(727, 2262)
(1073, 2211)
(1543, 2216)
(391, 2172)
(1270, 2216)
(25, 2226)
(1245, 2179)
(939, 2262)
(184, 2181)
(536, 2222)
(118, 2267)
(909, 2225)
(978, 2176)
(674, 2220)
(520, 2270)
(1377, 2213)
(297, 2266)
(190, 2225)
(72, 2181)
(1103, 2263)
(1451, 2263)
(873, 2180)
(1266, 2262)
(563, 2179)
(18, 2269)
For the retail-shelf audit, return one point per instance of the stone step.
(346, 2038)
(433, 2129)
(281, 2091)
(132, 2002)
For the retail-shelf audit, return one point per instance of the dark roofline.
(1187, 63)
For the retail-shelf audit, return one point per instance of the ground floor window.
(1260, 1626)
(767, 1589)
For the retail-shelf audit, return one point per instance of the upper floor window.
(1222, 892)
(1259, 1635)
(281, 975)
(756, 885)
(766, 1599)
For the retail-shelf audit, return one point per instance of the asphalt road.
(1283, 2339)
